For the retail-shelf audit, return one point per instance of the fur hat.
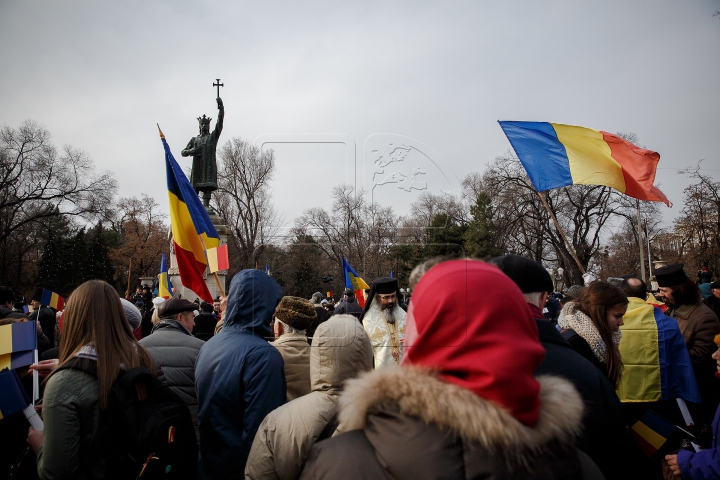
(670, 275)
(527, 274)
(296, 312)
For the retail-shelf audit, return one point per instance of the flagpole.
(36, 378)
(127, 292)
(640, 242)
(562, 234)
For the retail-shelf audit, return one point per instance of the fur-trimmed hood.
(420, 393)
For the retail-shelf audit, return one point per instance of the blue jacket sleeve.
(703, 465)
(265, 390)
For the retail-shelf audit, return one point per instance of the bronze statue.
(202, 148)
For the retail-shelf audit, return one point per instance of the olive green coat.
(75, 443)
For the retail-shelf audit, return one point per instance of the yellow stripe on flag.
(5, 361)
(184, 232)
(5, 339)
(650, 435)
(590, 158)
(212, 255)
(358, 283)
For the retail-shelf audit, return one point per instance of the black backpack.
(151, 437)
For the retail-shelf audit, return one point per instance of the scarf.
(573, 318)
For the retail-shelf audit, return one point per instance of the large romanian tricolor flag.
(353, 280)
(17, 344)
(556, 155)
(192, 229)
(656, 362)
(164, 285)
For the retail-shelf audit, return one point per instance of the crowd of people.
(484, 373)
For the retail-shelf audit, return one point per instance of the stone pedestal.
(180, 290)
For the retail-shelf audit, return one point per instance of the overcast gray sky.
(432, 77)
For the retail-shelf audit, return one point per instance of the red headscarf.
(470, 322)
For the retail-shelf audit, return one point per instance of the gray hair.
(316, 297)
(534, 297)
(288, 329)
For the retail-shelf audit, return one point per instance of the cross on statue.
(218, 85)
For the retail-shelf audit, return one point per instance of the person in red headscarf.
(464, 402)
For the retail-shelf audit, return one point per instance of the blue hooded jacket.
(239, 377)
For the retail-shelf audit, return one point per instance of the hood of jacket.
(491, 349)
(422, 394)
(251, 302)
(340, 351)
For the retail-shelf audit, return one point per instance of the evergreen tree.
(75, 261)
(444, 237)
(49, 276)
(99, 265)
(481, 237)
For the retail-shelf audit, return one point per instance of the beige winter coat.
(295, 351)
(341, 350)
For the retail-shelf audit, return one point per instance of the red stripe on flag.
(222, 258)
(359, 295)
(193, 273)
(638, 168)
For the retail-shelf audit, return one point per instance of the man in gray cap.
(698, 325)
(384, 322)
(175, 349)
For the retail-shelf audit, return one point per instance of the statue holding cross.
(202, 148)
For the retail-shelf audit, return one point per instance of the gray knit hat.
(133, 315)
(296, 312)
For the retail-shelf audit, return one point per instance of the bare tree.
(243, 198)
(361, 231)
(698, 226)
(38, 182)
(583, 211)
(143, 237)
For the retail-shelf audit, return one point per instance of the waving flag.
(353, 280)
(192, 229)
(52, 299)
(17, 344)
(556, 155)
(164, 285)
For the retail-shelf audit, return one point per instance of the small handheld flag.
(52, 299)
(218, 258)
(651, 432)
(164, 285)
(17, 344)
(353, 280)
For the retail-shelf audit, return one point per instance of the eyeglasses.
(388, 296)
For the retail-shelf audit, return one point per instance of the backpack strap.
(83, 364)
(137, 374)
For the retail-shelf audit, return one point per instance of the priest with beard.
(384, 322)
